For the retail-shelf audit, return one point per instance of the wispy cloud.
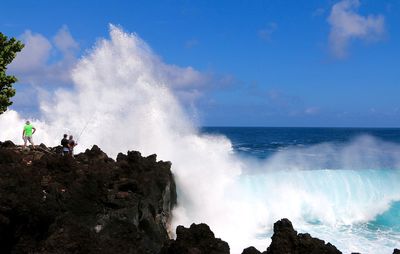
(188, 83)
(191, 43)
(34, 55)
(319, 12)
(278, 102)
(312, 110)
(64, 41)
(44, 61)
(266, 32)
(347, 24)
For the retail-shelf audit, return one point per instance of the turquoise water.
(388, 220)
(341, 185)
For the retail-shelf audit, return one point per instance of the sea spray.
(123, 95)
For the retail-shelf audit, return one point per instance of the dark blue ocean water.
(264, 141)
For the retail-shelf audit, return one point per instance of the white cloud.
(34, 55)
(347, 24)
(32, 65)
(64, 41)
(180, 77)
(188, 83)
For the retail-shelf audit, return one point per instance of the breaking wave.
(123, 100)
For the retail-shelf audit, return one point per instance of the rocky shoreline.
(94, 204)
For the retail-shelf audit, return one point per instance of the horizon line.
(298, 127)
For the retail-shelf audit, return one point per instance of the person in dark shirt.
(65, 145)
(71, 144)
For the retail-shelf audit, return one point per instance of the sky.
(314, 63)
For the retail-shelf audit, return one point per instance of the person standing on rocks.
(65, 145)
(71, 144)
(27, 133)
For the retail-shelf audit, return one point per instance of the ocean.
(344, 182)
(262, 142)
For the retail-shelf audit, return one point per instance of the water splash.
(123, 94)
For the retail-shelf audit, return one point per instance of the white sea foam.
(123, 101)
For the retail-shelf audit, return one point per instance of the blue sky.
(272, 63)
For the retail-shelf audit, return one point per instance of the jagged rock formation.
(251, 250)
(286, 240)
(197, 239)
(396, 251)
(90, 204)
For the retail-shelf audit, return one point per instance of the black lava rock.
(90, 204)
(198, 239)
(286, 240)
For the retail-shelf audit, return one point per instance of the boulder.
(198, 239)
(8, 144)
(286, 240)
(251, 250)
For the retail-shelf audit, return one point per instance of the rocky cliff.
(90, 204)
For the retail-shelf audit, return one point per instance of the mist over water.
(122, 99)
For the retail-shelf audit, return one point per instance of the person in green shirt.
(27, 133)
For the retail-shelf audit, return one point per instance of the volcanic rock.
(198, 239)
(286, 240)
(251, 250)
(90, 204)
(7, 144)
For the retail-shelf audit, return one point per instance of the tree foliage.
(8, 50)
